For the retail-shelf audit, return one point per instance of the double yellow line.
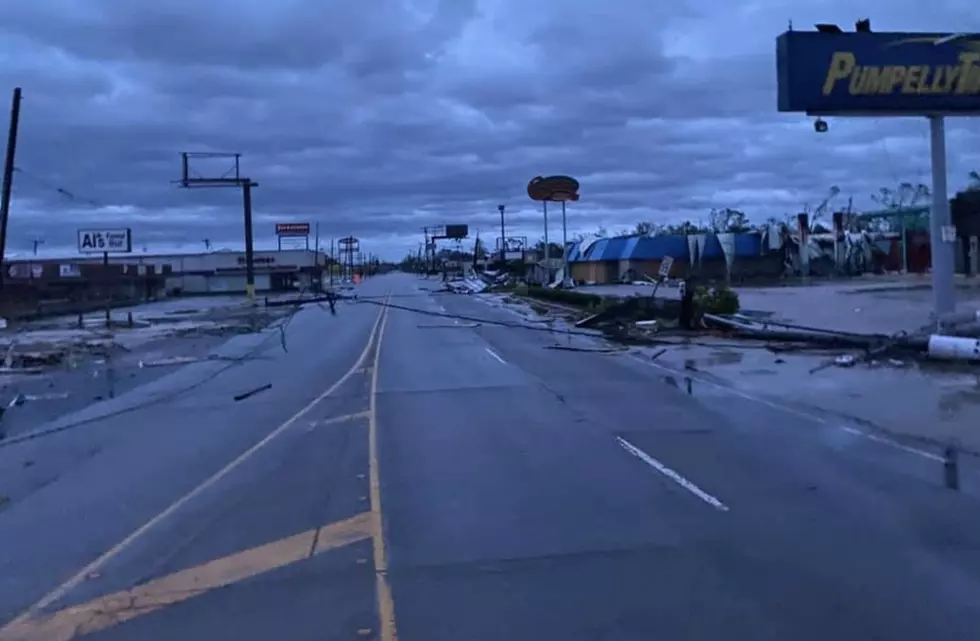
(386, 604)
(32, 625)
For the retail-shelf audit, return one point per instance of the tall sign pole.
(547, 244)
(564, 246)
(942, 235)
(229, 178)
(830, 72)
(554, 189)
(8, 175)
(249, 253)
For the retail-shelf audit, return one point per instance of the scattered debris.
(468, 285)
(845, 360)
(253, 392)
(449, 326)
(173, 360)
(22, 370)
(595, 350)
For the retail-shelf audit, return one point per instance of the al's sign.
(878, 73)
(98, 241)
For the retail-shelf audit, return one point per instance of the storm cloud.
(378, 118)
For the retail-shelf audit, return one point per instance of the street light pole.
(503, 238)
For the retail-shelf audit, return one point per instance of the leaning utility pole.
(8, 175)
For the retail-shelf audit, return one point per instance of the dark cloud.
(377, 119)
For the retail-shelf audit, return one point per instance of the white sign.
(69, 271)
(97, 241)
(665, 266)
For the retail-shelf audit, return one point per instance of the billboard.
(457, 231)
(553, 188)
(292, 229)
(99, 241)
(878, 73)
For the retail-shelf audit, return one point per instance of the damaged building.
(771, 253)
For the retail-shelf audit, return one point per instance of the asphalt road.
(467, 481)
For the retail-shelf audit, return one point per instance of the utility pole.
(37, 242)
(333, 261)
(247, 185)
(316, 256)
(8, 175)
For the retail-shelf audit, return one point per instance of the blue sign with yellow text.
(878, 73)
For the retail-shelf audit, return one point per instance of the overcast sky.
(378, 117)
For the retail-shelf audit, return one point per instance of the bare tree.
(728, 220)
(974, 181)
(907, 195)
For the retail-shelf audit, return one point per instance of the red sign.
(292, 229)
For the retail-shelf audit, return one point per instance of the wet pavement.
(935, 403)
(58, 367)
(444, 469)
(879, 305)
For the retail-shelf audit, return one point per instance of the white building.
(223, 272)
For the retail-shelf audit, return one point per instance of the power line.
(61, 191)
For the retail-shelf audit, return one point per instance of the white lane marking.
(891, 443)
(813, 417)
(672, 475)
(495, 355)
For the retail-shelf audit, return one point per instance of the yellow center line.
(125, 605)
(386, 603)
(80, 576)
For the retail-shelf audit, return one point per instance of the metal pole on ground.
(941, 247)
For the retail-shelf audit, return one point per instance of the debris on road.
(42, 360)
(173, 360)
(253, 392)
(594, 350)
(449, 326)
